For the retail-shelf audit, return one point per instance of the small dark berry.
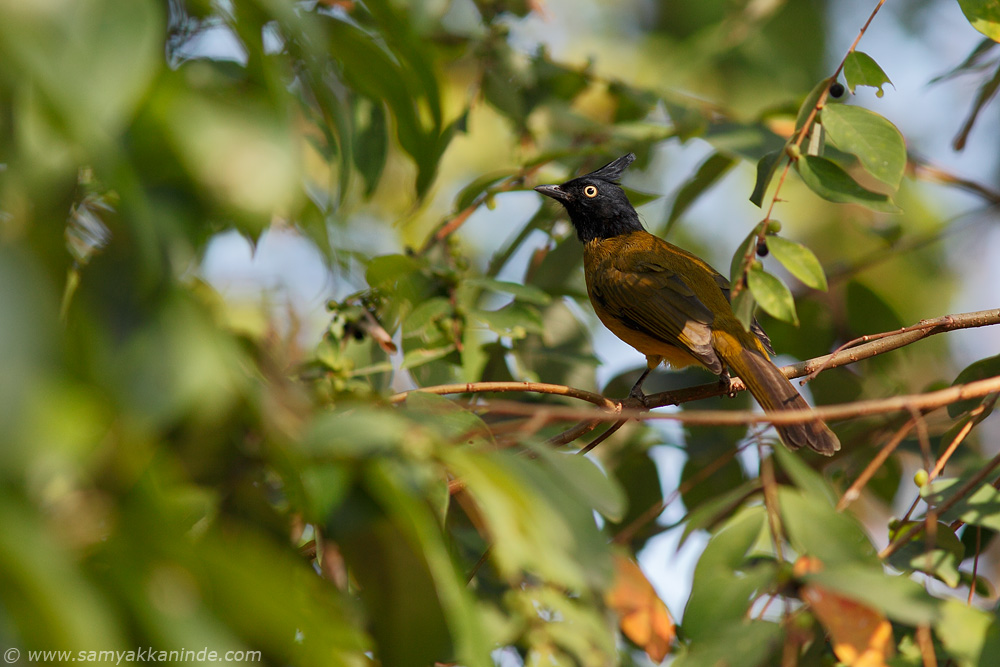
(837, 90)
(762, 249)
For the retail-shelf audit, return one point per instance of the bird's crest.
(613, 171)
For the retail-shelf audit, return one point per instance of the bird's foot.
(637, 396)
(727, 384)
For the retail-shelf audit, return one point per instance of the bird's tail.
(774, 392)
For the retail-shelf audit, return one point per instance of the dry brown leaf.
(861, 636)
(642, 615)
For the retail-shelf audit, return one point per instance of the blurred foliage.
(178, 472)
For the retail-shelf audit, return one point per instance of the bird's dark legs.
(636, 391)
(727, 383)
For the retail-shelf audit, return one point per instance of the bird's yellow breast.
(654, 349)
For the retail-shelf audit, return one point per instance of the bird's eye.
(590, 191)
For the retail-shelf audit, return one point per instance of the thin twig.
(770, 486)
(803, 132)
(572, 434)
(628, 532)
(975, 416)
(975, 563)
(923, 325)
(922, 437)
(450, 225)
(500, 387)
(935, 174)
(926, 644)
(602, 437)
(854, 491)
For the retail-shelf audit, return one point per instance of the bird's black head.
(596, 204)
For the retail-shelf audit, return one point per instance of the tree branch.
(864, 348)
(928, 401)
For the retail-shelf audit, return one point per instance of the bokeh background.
(222, 252)
(665, 45)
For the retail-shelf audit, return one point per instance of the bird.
(671, 305)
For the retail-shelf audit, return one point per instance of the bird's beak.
(553, 191)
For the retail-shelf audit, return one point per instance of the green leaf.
(799, 260)
(809, 103)
(504, 87)
(515, 320)
(709, 512)
(90, 84)
(969, 635)
(421, 356)
(478, 186)
(526, 293)
(325, 485)
(709, 172)
(399, 29)
(766, 168)
(639, 476)
(815, 528)
(355, 432)
(941, 560)
(577, 632)
(772, 295)
(371, 146)
(827, 179)
(406, 611)
(534, 524)
(426, 314)
(736, 643)
(632, 103)
(723, 579)
(58, 602)
(984, 15)
(874, 140)
(736, 263)
(860, 69)
(868, 312)
(805, 478)
(980, 370)
(972, 63)
(970, 538)
(583, 476)
(899, 597)
(554, 80)
(638, 197)
(474, 357)
(743, 307)
(705, 446)
(980, 508)
(447, 418)
(385, 270)
(377, 74)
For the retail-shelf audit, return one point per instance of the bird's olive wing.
(755, 327)
(655, 301)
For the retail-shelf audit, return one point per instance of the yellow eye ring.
(590, 191)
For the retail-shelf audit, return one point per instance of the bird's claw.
(637, 396)
(727, 385)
